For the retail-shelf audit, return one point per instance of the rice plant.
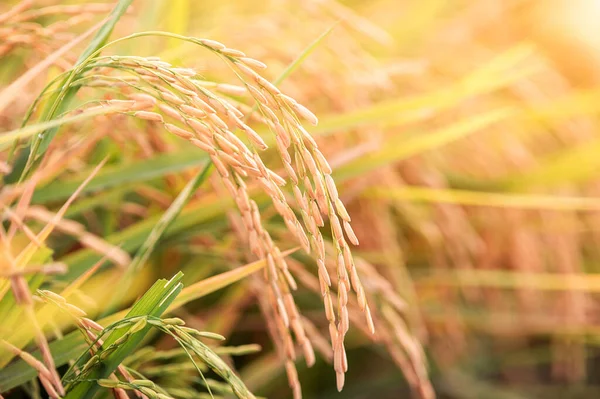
(213, 200)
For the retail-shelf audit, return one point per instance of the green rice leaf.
(30, 156)
(154, 302)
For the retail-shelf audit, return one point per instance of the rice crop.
(301, 199)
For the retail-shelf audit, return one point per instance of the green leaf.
(31, 155)
(154, 302)
(401, 148)
(73, 343)
(302, 56)
(116, 175)
(569, 165)
(131, 238)
(217, 282)
(143, 253)
(8, 138)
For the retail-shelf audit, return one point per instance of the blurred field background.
(463, 138)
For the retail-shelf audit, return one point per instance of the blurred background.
(464, 138)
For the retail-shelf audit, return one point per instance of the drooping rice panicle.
(195, 111)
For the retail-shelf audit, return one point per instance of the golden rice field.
(320, 199)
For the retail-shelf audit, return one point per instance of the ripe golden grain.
(211, 118)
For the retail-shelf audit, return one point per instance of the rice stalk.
(207, 120)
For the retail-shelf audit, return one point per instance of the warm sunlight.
(328, 199)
